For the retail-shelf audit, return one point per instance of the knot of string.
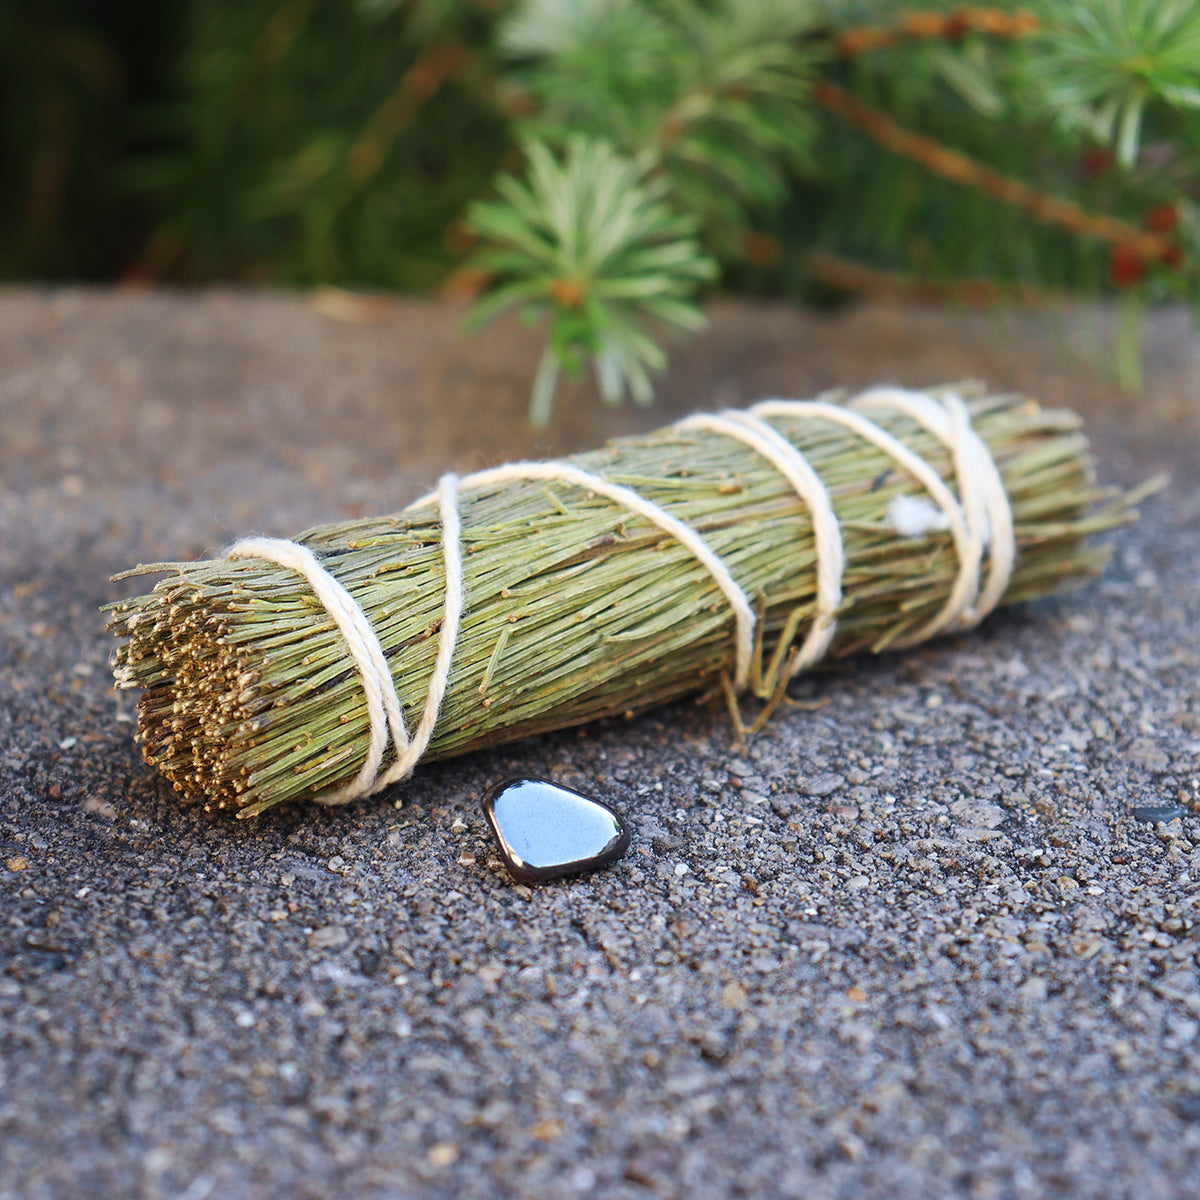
(983, 499)
(979, 520)
(983, 515)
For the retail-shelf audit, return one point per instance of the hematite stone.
(546, 830)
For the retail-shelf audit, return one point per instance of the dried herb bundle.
(575, 607)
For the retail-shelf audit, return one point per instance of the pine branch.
(417, 85)
(960, 168)
(590, 243)
(717, 92)
(1101, 65)
(286, 24)
(705, 105)
(714, 98)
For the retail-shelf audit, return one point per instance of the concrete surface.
(916, 944)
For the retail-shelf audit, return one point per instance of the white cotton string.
(966, 584)
(408, 755)
(383, 704)
(981, 488)
(681, 532)
(827, 533)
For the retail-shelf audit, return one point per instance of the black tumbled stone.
(546, 830)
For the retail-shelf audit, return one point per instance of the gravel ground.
(926, 941)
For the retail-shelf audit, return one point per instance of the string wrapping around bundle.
(383, 704)
(226, 679)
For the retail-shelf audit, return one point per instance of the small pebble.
(328, 937)
(733, 995)
(1156, 813)
(823, 785)
(442, 1154)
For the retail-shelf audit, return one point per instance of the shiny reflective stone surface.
(546, 830)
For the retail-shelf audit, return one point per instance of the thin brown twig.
(415, 89)
(286, 24)
(861, 279)
(960, 168)
(994, 22)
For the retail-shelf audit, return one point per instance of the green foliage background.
(388, 143)
(237, 139)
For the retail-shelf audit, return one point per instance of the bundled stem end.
(576, 608)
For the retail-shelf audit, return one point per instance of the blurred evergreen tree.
(321, 141)
(857, 144)
(605, 160)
